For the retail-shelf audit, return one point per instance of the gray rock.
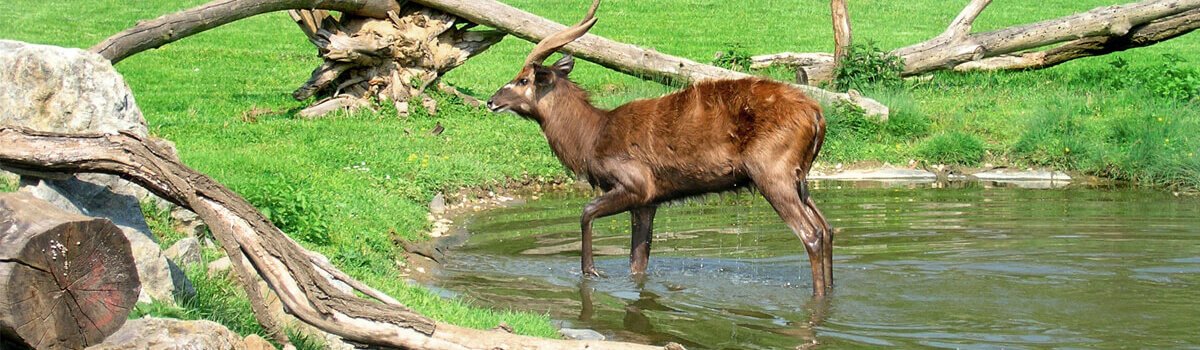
(1022, 175)
(581, 334)
(185, 252)
(188, 222)
(437, 206)
(255, 342)
(219, 266)
(52, 88)
(879, 174)
(166, 333)
(56, 89)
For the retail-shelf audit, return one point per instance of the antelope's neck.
(572, 125)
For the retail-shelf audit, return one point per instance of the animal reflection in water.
(638, 324)
(714, 136)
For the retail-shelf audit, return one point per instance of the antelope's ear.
(564, 65)
(543, 76)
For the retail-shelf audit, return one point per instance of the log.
(957, 46)
(629, 59)
(67, 281)
(1151, 33)
(304, 281)
(167, 29)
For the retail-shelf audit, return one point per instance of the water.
(971, 267)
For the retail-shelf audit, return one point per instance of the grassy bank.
(347, 186)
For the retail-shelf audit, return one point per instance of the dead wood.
(67, 281)
(1098, 31)
(841, 29)
(629, 59)
(166, 29)
(394, 58)
(303, 281)
(1151, 33)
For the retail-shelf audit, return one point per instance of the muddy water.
(965, 267)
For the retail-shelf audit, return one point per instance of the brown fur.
(713, 136)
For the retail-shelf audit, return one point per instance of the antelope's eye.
(523, 81)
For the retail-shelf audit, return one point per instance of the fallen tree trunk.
(153, 34)
(1151, 33)
(956, 46)
(303, 281)
(66, 280)
(629, 59)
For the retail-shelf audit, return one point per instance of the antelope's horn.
(552, 43)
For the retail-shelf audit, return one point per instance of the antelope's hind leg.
(782, 193)
(826, 232)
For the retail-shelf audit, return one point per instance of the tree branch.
(1139, 36)
(169, 28)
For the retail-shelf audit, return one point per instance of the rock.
(1040, 179)
(219, 266)
(1022, 175)
(581, 334)
(438, 205)
(185, 252)
(256, 342)
(880, 174)
(167, 333)
(188, 222)
(49, 88)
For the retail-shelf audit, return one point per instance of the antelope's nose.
(491, 104)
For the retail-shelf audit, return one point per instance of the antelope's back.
(715, 119)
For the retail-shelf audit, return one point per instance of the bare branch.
(169, 28)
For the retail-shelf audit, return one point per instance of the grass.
(341, 184)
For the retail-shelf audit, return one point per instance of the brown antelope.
(713, 136)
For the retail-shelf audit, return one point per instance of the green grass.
(7, 184)
(340, 184)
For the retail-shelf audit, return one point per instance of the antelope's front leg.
(642, 220)
(616, 200)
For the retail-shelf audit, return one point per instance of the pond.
(966, 265)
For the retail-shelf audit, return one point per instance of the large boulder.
(166, 333)
(48, 88)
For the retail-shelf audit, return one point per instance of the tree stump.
(67, 281)
(392, 59)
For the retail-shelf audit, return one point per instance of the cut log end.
(66, 280)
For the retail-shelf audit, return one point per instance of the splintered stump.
(67, 281)
(395, 58)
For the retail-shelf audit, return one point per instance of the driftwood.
(1114, 27)
(303, 280)
(633, 60)
(66, 280)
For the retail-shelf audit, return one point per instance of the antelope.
(714, 136)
